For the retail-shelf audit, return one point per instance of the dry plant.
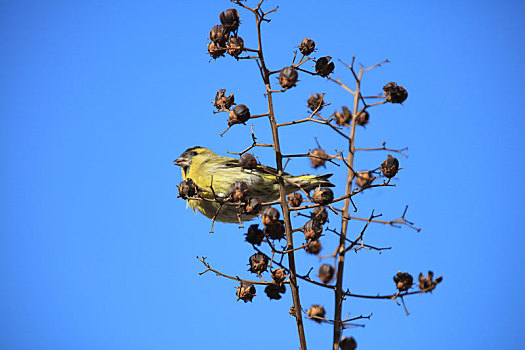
(267, 258)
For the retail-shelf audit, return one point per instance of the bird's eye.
(194, 153)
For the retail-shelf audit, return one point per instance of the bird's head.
(188, 156)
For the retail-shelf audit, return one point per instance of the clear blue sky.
(98, 97)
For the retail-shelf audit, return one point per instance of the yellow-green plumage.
(203, 166)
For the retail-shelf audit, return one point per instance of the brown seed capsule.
(245, 292)
(323, 195)
(307, 46)
(254, 235)
(343, 118)
(235, 46)
(390, 166)
(187, 189)
(403, 281)
(318, 157)
(269, 215)
(362, 118)
(275, 230)
(258, 263)
(239, 114)
(326, 273)
(219, 34)
(230, 19)
(395, 93)
(324, 67)
(320, 214)
(238, 191)
(215, 50)
(288, 77)
(279, 275)
(314, 247)
(364, 179)
(316, 312)
(274, 291)
(315, 102)
(292, 311)
(348, 344)
(248, 161)
(312, 230)
(223, 102)
(253, 206)
(428, 282)
(295, 199)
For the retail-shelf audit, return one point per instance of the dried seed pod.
(295, 199)
(245, 292)
(253, 206)
(316, 312)
(248, 161)
(230, 19)
(403, 281)
(428, 282)
(258, 263)
(395, 93)
(238, 191)
(235, 46)
(390, 166)
(223, 102)
(274, 291)
(348, 344)
(269, 215)
(313, 230)
(362, 118)
(323, 195)
(219, 34)
(326, 273)
(315, 102)
(279, 275)
(254, 235)
(275, 230)
(216, 50)
(318, 157)
(187, 189)
(320, 214)
(314, 247)
(324, 67)
(307, 46)
(292, 311)
(343, 118)
(239, 114)
(288, 77)
(364, 179)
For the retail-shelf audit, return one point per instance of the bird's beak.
(182, 162)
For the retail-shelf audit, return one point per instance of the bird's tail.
(309, 182)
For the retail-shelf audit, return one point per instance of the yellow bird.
(203, 166)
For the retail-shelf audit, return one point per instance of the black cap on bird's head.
(184, 160)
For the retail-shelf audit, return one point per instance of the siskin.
(203, 166)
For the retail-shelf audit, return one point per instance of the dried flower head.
(275, 230)
(223, 102)
(348, 344)
(362, 118)
(326, 273)
(187, 189)
(216, 50)
(279, 275)
(295, 199)
(258, 263)
(235, 46)
(390, 166)
(324, 67)
(343, 118)
(230, 19)
(323, 195)
(219, 34)
(288, 77)
(269, 215)
(274, 291)
(428, 283)
(403, 281)
(315, 102)
(314, 247)
(239, 114)
(364, 179)
(313, 230)
(316, 312)
(248, 161)
(395, 93)
(253, 206)
(245, 292)
(307, 46)
(318, 157)
(238, 191)
(320, 214)
(254, 235)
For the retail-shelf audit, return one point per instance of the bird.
(214, 174)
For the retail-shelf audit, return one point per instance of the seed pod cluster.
(278, 276)
(316, 312)
(274, 291)
(390, 166)
(222, 102)
(364, 179)
(403, 281)
(312, 230)
(324, 67)
(348, 344)
(224, 36)
(187, 189)
(307, 46)
(239, 115)
(320, 214)
(343, 118)
(273, 227)
(315, 102)
(395, 93)
(323, 195)
(318, 158)
(238, 191)
(248, 161)
(245, 292)
(428, 282)
(258, 263)
(288, 77)
(326, 273)
(254, 235)
(362, 118)
(295, 199)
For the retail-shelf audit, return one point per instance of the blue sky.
(98, 98)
